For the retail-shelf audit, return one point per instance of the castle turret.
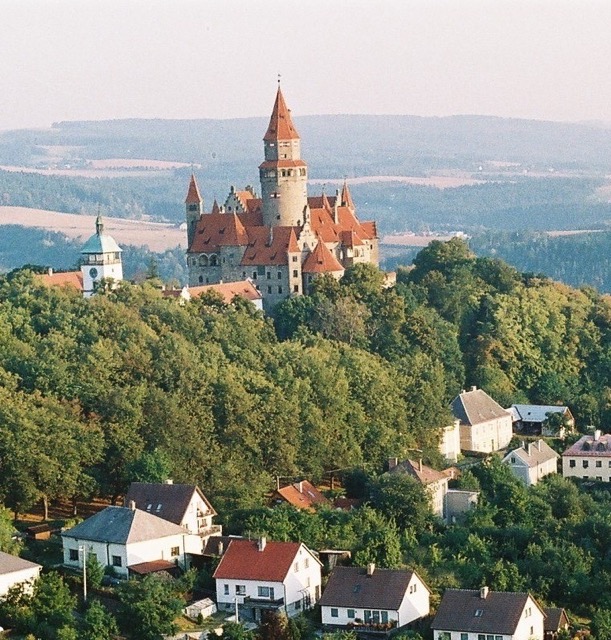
(283, 174)
(101, 258)
(194, 206)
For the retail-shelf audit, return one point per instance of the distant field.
(412, 240)
(440, 182)
(156, 236)
(92, 173)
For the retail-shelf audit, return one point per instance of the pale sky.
(104, 59)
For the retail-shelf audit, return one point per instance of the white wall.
(415, 602)
(531, 619)
(591, 472)
(359, 614)
(449, 446)
(8, 580)
(486, 437)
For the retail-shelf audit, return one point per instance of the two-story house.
(183, 504)
(466, 614)
(532, 462)
(258, 575)
(589, 458)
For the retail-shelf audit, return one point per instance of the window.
(294, 258)
(269, 289)
(269, 275)
(240, 589)
(513, 459)
(279, 289)
(572, 464)
(334, 613)
(279, 275)
(265, 592)
(226, 589)
(296, 288)
(295, 274)
(585, 463)
(599, 463)
(384, 617)
(445, 635)
(175, 551)
(532, 631)
(306, 563)
(481, 636)
(351, 613)
(296, 567)
(464, 636)
(116, 561)
(478, 613)
(74, 555)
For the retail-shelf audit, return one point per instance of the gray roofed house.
(182, 504)
(121, 537)
(533, 461)
(530, 419)
(15, 570)
(484, 425)
(556, 620)
(373, 596)
(483, 611)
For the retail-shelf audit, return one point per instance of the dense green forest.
(131, 386)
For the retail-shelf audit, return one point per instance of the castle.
(283, 239)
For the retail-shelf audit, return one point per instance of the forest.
(132, 386)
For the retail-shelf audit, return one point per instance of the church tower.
(284, 175)
(101, 258)
(194, 208)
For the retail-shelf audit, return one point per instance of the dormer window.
(479, 613)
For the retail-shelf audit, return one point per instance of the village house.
(182, 504)
(465, 614)
(282, 239)
(261, 575)
(556, 620)
(373, 599)
(484, 425)
(532, 419)
(533, 461)
(589, 458)
(130, 541)
(15, 570)
(245, 289)
(301, 495)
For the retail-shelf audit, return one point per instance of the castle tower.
(194, 208)
(283, 174)
(101, 258)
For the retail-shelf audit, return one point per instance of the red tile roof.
(425, 475)
(229, 290)
(350, 239)
(280, 124)
(65, 279)
(346, 198)
(242, 560)
(321, 260)
(215, 230)
(303, 495)
(193, 196)
(261, 252)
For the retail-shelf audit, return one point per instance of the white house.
(589, 458)
(465, 614)
(130, 541)
(258, 575)
(183, 504)
(533, 461)
(15, 570)
(435, 482)
(391, 598)
(449, 447)
(484, 425)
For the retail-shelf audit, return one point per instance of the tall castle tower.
(283, 174)
(194, 208)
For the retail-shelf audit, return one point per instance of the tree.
(235, 631)
(9, 543)
(98, 623)
(149, 607)
(601, 624)
(402, 499)
(95, 571)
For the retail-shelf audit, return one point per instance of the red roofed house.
(228, 290)
(589, 458)
(302, 495)
(283, 239)
(261, 575)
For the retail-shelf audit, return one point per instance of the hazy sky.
(98, 59)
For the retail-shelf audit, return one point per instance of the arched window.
(203, 261)
(213, 260)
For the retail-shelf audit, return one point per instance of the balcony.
(213, 530)
(263, 603)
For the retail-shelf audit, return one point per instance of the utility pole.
(83, 548)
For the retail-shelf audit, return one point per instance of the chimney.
(597, 434)
(261, 543)
(301, 486)
(483, 593)
(523, 444)
(371, 567)
(530, 448)
(220, 549)
(392, 463)
(132, 505)
(473, 388)
(169, 481)
(539, 444)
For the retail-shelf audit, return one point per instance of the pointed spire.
(346, 197)
(193, 196)
(215, 207)
(321, 260)
(99, 225)
(280, 124)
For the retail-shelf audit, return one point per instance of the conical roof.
(193, 195)
(346, 198)
(280, 124)
(321, 260)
